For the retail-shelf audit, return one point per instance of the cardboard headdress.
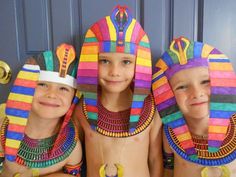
(119, 32)
(60, 68)
(184, 54)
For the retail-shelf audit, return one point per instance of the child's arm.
(155, 148)
(168, 158)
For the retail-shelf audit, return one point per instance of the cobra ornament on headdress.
(185, 54)
(119, 32)
(59, 68)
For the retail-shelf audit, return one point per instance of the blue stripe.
(197, 50)
(158, 77)
(10, 157)
(166, 57)
(220, 60)
(221, 114)
(23, 90)
(177, 123)
(90, 101)
(137, 104)
(106, 46)
(30, 70)
(17, 112)
(14, 135)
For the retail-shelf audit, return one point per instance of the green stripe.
(139, 97)
(223, 106)
(172, 117)
(173, 56)
(48, 58)
(144, 44)
(90, 95)
(134, 118)
(92, 115)
(90, 39)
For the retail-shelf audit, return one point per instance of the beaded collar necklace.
(37, 153)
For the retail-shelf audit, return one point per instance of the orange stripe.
(187, 144)
(19, 105)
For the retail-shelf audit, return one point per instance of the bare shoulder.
(76, 155)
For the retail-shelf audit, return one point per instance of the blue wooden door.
(28, 27)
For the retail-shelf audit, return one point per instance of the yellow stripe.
(159, 83)
(184, 137)
(112, 30)
(88, 58)
(221, 66)
(90, 34)
(130, 31)
(12, 143)
(143, 62)
(17, 120)
(157, 74)
(20, 97)
(217, 56)
(143, 54)
(145, 39)
(206, 50)
(218, 129)
(28, 75)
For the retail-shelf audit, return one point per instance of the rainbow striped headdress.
(119, 32)
(47, 66)
(184, 54)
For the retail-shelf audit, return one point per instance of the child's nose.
(196, 92)
(52, 93)
(115, 70)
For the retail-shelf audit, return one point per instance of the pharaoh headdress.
(59, 67)
(184, 54)
(119, 32)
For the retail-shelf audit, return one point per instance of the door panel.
(28, 27)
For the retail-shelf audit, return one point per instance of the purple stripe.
(215, 51)
(87, 80)
(214, 143)
(192, 63)
(166, 104)
(142, 84)
(223, 90)
(190, 151)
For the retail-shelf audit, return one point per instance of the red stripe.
(19, 105)
(135, 111)
(16, 128)
(91, 108)
(25, 83)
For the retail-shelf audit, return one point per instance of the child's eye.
(104, 61)
(64, 89)
(181, 87)
(126, 62)
(41, 84)
(205, 82)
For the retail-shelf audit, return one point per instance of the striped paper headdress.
(184, 54)
(60, 68)
(119, 32)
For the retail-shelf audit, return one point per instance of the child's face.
(116, 71)
(192, 92)
(51, 100)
